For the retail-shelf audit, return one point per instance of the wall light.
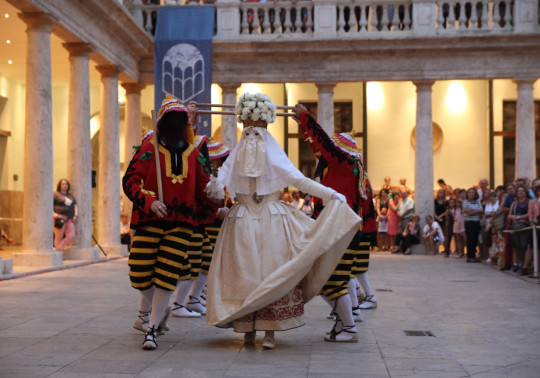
(375, 96)
(8, 41)
(6, 15)
(456, 97)
(10, 61)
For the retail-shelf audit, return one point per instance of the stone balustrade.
(360, 19)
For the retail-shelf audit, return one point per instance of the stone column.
(133, 128)
(80, 149)
(229, 133)
(109, 196)
(325, 106)
(38, 147)
(525, 133)
(423, 164)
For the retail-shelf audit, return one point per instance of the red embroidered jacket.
(183, 181)
(340, 174)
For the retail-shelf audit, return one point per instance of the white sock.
(344, 310)
(198, 286)
(146, 299)
(182, 291)
(352, 292)
(159, 306)
(364, 282)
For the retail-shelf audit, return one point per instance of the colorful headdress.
(217, 150)
(199, 139)
(170, 104)
(255, 109)
(347, 143)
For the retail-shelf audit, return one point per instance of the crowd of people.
(483, 224)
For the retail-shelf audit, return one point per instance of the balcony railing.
(359, 19)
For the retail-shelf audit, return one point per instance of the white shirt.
(434, 226)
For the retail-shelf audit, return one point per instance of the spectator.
(296, 202)
(382, 203)
(433, 236)
(441, 209)
(393, 218)
(406, 208)
(386, 185)
(519, 219)
(285, 197)
(403, 184)
(410, 236)
(483, 189)
(473, 212)
(449, 228)
(492, 240)
(307, 206)
(65, 215)
(507, 259)
(458, 225)
(382, 223)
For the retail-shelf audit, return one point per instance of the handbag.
(499, 220)
(59, 222)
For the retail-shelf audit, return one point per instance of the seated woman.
(433, 236)
(411, 235)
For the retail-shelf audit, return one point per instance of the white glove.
(222, 212)
(215, 189)
(339, 197)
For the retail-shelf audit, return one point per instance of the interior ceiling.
(13, 29)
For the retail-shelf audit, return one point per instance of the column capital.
(133, 87)
(525, 79)
(423, 83)
(78, 48)
(37, 19)
(229, 86)
(325, 84)
(107, 70)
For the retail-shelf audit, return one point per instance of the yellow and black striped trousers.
(209, 242)
(159, 256)
(355, 260)
(195, 251)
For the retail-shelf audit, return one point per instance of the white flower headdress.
(256, 107)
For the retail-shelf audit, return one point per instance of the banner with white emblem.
(183, 56)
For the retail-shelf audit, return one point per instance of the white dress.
(270, 259)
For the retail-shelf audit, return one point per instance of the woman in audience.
(393, 219)
(411, 235)
(473, 212)
(491, 233)
(458, 226)
(441, 209)
(519, 220)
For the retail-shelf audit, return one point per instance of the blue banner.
(183, 56)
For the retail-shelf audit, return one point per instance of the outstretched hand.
(298, 110)
(193, 113)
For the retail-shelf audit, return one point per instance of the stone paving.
(77, 323)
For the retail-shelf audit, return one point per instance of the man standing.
(340, 167)
(405, 211)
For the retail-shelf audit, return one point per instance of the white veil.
(279, 171)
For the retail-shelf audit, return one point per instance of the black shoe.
(150, 342)
(473, 260)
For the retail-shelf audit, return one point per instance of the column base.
(6, 266)
(76, 253)
(418, 249)
(116, 249)
(38, 259)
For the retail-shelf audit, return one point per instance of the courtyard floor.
(78, 323)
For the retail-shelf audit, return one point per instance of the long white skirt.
(270, 259)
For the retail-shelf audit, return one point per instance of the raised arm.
(319, 141)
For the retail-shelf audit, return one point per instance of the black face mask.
(171, 129)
